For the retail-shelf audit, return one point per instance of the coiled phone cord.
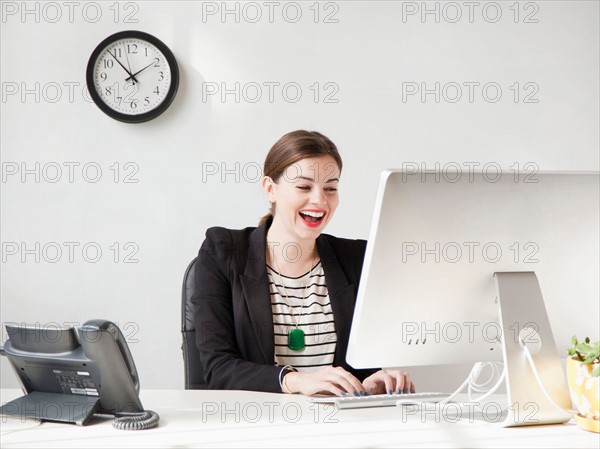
(136, 421)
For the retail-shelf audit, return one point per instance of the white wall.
(366, 55)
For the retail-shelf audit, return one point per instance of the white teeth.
(313, 214)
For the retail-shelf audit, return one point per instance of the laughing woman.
(274, 303)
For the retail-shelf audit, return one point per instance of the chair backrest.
(194, 373)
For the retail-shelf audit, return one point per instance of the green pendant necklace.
(296, 338)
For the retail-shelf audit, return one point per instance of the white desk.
(241, 418)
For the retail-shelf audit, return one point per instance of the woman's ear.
(269, 186)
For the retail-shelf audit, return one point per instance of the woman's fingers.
(402, 381)
(340, 382)
(336, 381)
(389, 381)
(346, 381)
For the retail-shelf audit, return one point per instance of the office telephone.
(68, 374)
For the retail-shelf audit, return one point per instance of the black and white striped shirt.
(315, 318)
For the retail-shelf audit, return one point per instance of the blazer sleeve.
(359, 251)
(224, 366)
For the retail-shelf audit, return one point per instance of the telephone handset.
(92, 330)
(90, 366)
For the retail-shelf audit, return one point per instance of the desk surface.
(242, 418)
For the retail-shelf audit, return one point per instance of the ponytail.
(265, 217)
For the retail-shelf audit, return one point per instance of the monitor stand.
(66, 408)
(524, 322)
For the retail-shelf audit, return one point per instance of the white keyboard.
(380, 400)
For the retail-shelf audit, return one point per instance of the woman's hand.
(388, 381)
(331, 380)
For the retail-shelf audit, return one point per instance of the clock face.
(132, 76)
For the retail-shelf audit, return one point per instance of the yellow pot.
(585, 394)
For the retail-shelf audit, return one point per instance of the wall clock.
(132, 76)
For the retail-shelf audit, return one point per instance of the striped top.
(315, 319)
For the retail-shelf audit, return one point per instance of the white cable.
(459, 389)
(496, 371)
(541, 384)
(472, 385)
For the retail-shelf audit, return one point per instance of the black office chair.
(194, 373)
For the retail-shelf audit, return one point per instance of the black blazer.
(232, 305)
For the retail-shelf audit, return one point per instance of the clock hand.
(129, 73)
(129, 65)
(133, 76)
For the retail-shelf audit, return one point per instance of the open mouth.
(312, 218)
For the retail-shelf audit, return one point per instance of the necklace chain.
(294, 317)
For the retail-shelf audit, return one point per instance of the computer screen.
(427, 294)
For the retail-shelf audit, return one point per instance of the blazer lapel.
(342, 297)
(255, 285)
(256, 292)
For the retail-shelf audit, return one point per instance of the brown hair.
(293, 147)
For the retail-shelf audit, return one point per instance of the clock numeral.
(118, 52)
(129, 48)
(146, 101)
(103, 76)
(134, 104)
(108, 63)
(119, 100)
(156, 62)
(156, 91)
(108, 91)
(146, 51)
(162, 76)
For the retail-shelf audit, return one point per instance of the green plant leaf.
(585, 352)
(583, 348)
(596, 371)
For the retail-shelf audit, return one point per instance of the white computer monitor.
(427, 292)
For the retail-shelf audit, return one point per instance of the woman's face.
(306, 196)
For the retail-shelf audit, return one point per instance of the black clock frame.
(162, 107)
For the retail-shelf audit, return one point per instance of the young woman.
(274, 303)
